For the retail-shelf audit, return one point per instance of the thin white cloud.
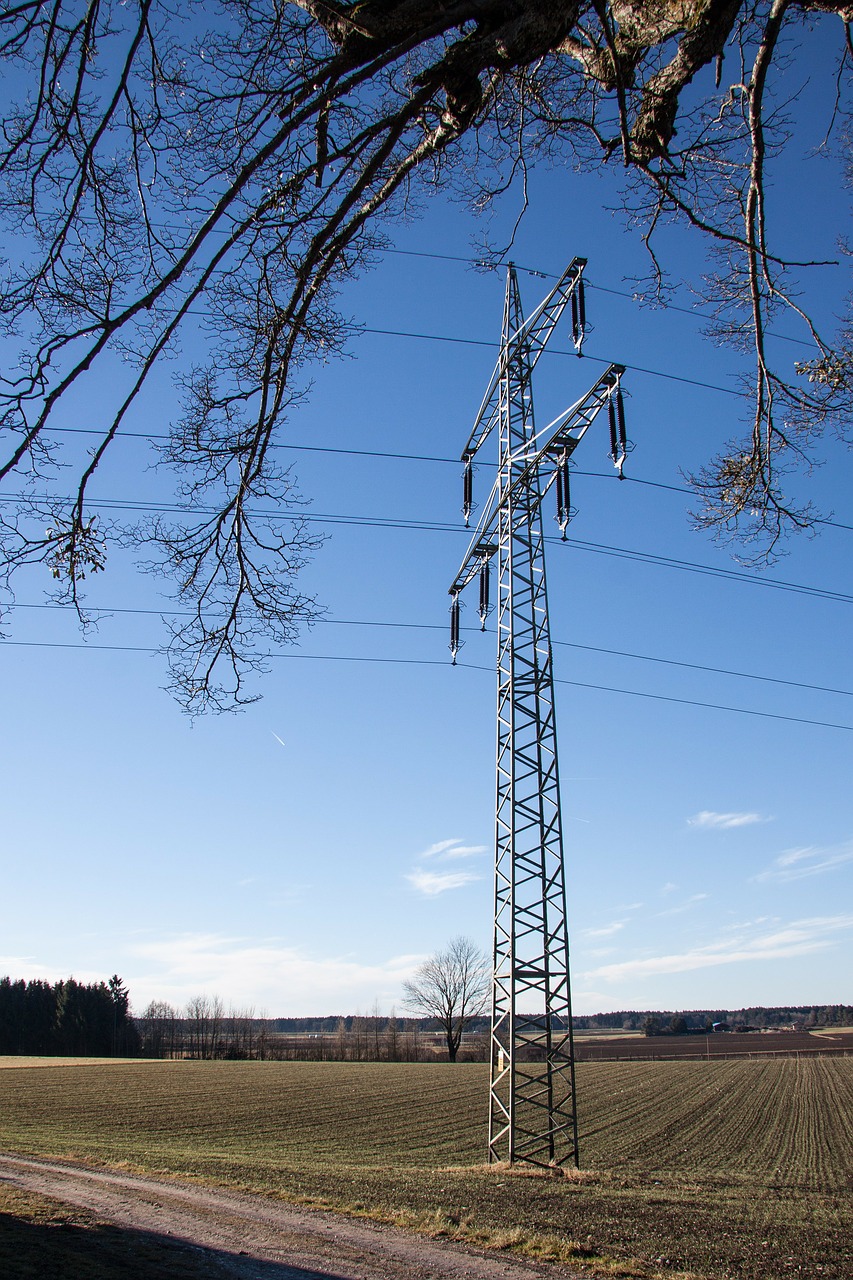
(709, 820)
(607, 931)
(464, 851)
(799, 864)
(740, 925)
(687, 905)
(281, 979)
(11, 964)
(795, 855)
(589, 1001)
(432, 883)
(446, 850)
(799, 938)
(28, 969)
(440, 847)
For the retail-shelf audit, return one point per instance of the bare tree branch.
(242, 156)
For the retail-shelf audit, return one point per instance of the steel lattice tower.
(532, 1093)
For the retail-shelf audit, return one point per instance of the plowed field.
(717, 1168)
(722, 1045)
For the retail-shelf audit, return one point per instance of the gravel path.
(252, 1237)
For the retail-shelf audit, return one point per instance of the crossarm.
(533, 335)
(560, 438)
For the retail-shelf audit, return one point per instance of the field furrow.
(721, 1168)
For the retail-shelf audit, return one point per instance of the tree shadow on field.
(73, 1245)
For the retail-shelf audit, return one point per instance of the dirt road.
(251, 1237)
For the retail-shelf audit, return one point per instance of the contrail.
(277, 738)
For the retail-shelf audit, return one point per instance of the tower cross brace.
(532, 1111)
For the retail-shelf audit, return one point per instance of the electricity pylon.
(532, 1093)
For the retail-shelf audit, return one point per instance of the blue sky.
(303, 857)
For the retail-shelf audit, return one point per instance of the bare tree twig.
(150, 163)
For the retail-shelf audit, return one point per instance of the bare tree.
(158, 1027)
(392, 1038)
(453, 987)
(204, 1016)
(238, 1033)
(239, 157)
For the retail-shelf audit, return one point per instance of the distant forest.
(754, 1019)
(77, 1019)
(759, 1017)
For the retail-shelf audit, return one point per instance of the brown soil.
(251, 1237)
(722, 1044)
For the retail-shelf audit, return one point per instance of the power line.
(551, 275)
(557, 351)
(298, 448)
(714, 706)
(434, 626)
(431, 526)
(492, 265)
(434, 662)
(696, 666)
(687, 566)
(416, 457)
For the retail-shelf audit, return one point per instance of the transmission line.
(153, 651)
(413, 457)
(378, 623)
(486, 264)
(663, 305)
(431, 526)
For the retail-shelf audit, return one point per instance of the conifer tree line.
(76, 1019)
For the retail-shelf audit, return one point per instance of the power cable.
(687, 566)
(557, 351)
(419, 457)
(106, 611)
(713, 706)
(432, 526)
(492, 265)
(590, 284)
(434, 662)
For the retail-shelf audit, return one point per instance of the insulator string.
(455, 643)
(484, 593)
(564, 502)
(619, 458)
(467, 489)
(578, 314)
